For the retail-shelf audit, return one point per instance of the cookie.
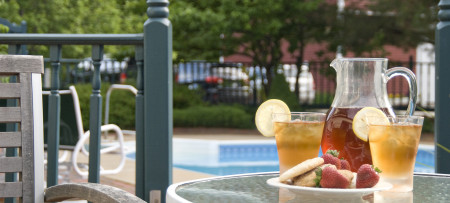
(307, 179)
(301, 168)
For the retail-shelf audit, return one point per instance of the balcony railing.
(153, 99)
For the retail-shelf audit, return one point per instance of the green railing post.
(442, 111)
(14, 49)
(158, 101)
(68, 70)
(95, 119)
(139, 115)
(54, 110)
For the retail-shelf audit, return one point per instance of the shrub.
(183, 97)
(213, 116)
(121, 107)
(280, 90)
(189, 109)
(323, 98)
(428, 125)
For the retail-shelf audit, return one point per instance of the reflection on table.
(253, 188)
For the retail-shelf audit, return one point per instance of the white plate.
(330, 191)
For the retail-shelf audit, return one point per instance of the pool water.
(221, 157)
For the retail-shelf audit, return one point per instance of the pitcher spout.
(335, 64)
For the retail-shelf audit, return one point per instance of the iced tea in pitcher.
(360, 82)
(338, 134)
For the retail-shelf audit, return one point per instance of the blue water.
(248, 158)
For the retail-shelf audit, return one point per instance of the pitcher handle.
(412, 83)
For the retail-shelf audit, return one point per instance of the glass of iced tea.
(394, 148)
(298, 136)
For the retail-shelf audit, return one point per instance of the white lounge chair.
(68, 131)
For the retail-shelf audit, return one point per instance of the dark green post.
(14, 49)
(158, 101)
(54, 110)
(95, 116)
(442, 111)
(68, 70)
(139, 55)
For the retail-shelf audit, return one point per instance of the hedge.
(213, 116)
(189, 109)
(121, 107)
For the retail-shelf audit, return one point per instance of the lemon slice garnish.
(263, 117)
(366, 116)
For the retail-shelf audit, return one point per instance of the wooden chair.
(20, 82)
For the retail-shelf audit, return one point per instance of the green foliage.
(121, 109)
(197, 25)
(207, 29)
(428, 125)
(183, 97)
(4, 29)
(81, 16)
(323, 98)
(280, 90)
(221, 116)
(389, 23)
(189, 109)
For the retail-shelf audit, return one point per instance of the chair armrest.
(92, 192)
(80, 147)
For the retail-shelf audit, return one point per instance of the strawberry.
(331, 157)
(367, 176)
(345, 165)
(330, 177)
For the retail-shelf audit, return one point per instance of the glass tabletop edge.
(172, 196)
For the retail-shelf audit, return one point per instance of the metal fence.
(74, 71)
(242, 83)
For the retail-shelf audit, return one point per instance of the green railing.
(153, 100)
(442, 112)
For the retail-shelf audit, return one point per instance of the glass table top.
(253, 188)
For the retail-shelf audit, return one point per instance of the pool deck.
(126, 178)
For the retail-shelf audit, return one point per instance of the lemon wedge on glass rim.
(365, 116)
(263, 117)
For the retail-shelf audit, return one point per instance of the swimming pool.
(228, 157)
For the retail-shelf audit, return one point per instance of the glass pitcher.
(360, 82)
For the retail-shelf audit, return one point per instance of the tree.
(206, 29)
(254, 29)
(315, 23)
(81, 16)
(405, 23)
(197, 28)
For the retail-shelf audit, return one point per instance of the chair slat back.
(10, 114)
(10, 139)
(14, 93)
(20, 81)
